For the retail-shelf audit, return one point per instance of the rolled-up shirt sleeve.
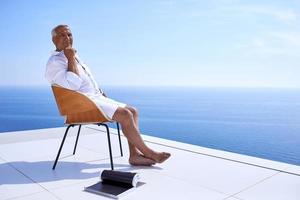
(57, 73)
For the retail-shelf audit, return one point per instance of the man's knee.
(123, 115)
(133, 110)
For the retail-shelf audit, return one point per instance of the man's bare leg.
(135, 156)
(134, 112)
(125, 117)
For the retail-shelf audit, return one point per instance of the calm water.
(258, 122)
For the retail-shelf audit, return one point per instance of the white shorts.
(107, 105)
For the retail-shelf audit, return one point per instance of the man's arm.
(70, 54)
(57, 72)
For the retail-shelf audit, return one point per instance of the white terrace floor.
(192, 172)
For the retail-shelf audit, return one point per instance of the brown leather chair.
(80, 110)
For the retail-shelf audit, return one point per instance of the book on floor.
(114, 184)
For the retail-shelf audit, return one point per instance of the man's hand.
(70, 53)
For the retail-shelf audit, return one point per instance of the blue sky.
(158, 43)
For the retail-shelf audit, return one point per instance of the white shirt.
(57, 73)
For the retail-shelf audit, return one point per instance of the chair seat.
(89, 117)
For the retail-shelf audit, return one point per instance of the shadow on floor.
(23, 172)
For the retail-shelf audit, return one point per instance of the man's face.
(63, 38)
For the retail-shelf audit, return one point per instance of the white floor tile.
(31, 150)
(221, 175)
(159, 186)
(38, 196)
(14, 184)
(48, 148)
(155, 187)
(46, 151)
(185, 175)
(98, 143)
(294, 169)
(68, 170)
(279, 187)
(76, 190)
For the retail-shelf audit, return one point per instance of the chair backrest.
(77, 107)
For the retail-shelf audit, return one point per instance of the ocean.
(263, 123)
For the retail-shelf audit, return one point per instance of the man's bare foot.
(140, 160)
(160, 157)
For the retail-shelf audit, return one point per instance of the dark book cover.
(114, 184)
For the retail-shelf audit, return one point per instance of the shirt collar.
(55, 53)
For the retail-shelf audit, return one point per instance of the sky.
(228, 43)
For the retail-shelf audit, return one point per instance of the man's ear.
(54, 40)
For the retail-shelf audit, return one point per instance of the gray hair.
(53, 32)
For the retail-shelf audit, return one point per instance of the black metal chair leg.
(76, 140)
(109, 146)
(120, 143)
(61, 145)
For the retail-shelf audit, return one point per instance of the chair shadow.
(41, 171)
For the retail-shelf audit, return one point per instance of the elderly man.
(66, 69)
